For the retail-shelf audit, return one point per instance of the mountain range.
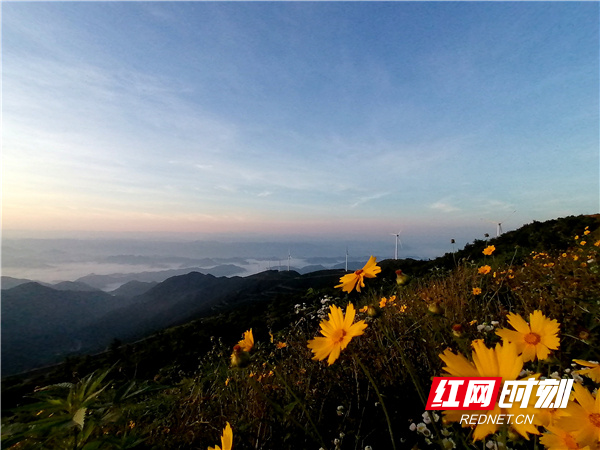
(42, 325)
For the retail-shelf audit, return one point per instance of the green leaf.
(79, 417)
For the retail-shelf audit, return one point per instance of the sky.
(316, 119)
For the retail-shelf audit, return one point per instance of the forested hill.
(168, 328)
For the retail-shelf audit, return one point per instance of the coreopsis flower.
(583, 418)
(457, 330)
(281, 345)
(592, 372)
(384, 301)
(373, 311)
(356, 279)
(401, 278)
(337, 333)
(501, 361)
(489, 250)
(247, 341)
(476, 291)
(533, 339)
(226, 439)
(239, 357)
(484, 270)
(558, 439)
(435, 308)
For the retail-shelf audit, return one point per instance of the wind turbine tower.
(346, 258)
(397, 240)
(499, 224)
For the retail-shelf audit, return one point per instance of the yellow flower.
(337, 332)
(356, 279)
(401, 278)
(593, 372)
(533, 339)
(586, 232)
(457, 330)
(239, 358)
(597, 243)
(582, 243)
(384, 301)
(281, 345)
(583, 418)
(484, 270)
(489, 250)
(559, 439)
(226, 439)
(476, 291)
(435, 308)
(247, 342)
(501, 361)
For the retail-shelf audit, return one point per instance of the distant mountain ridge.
(42, 325)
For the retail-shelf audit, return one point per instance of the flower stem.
(301, 403)
(372, 381)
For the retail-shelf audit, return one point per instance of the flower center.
(595, 419)
(358, 272)
(338, 336)
(532, 338)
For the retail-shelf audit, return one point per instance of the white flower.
(422, 428)
(426, 418)
(524, 373)
(448, 443)
(413, 426)
(578, 378)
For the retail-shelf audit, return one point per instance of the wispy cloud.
(368, 198)
(444, 207)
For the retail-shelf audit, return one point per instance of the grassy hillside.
(178, 389)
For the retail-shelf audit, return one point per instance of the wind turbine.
(346, 258)
(289, 259)
(499, 223)
(397, 240)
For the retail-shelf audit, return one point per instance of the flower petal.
(518, 323)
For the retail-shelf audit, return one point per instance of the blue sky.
(306, 119)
